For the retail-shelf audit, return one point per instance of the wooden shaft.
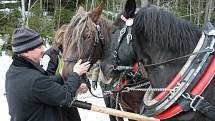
(110, 111)
(119, 113)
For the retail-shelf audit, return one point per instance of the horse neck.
(161, 40)
(161, 75)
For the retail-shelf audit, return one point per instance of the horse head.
(121, 54)
(85, 38)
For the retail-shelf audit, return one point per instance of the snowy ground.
(86, 115)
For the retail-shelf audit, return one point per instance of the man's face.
(36, 54)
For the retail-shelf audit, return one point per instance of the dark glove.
(94, 85)
(87, 81)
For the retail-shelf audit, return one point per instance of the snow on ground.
(5, 61)
(86, 115)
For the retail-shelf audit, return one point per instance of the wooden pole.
(111, 111)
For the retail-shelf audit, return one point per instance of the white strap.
(212, 32)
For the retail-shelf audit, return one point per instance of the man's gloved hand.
(94, 85)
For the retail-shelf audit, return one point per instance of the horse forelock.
(81, 25)
(77, 27)
(166, 30)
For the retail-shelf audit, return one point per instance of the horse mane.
(78, 26)
(166, 30)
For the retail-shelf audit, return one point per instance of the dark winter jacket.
(69, 114)
(34, 96)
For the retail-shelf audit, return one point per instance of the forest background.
(46, 16)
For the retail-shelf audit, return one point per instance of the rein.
(178, 58)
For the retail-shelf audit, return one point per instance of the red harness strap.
(125, 82)
(197, 90)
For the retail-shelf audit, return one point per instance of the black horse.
(177, 56)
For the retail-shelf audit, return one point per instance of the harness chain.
(127, 89)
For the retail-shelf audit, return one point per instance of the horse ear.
(95, 14)
(80, 9)
(129, 9)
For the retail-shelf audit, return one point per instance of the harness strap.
(198, 103)
(131, 81)
(206, 108)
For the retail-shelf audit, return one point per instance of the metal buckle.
(129, 38)
(98, 27)
(122, 31)
(194, 101)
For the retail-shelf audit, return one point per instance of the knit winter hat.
(25, 39)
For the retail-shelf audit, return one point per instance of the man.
(32, 95)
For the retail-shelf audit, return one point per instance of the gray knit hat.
(24, 39)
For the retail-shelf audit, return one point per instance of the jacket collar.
(21, 61)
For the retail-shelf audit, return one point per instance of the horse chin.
(112, 77)
(108, 73)
(107, 80)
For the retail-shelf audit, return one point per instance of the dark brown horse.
(80, 38)
(177, 56)
(87, 37)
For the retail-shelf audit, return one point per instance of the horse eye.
(88, 37)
